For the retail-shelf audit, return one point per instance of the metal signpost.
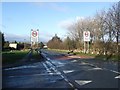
(86, 39)
(34, 37)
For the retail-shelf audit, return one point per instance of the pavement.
(63, 71)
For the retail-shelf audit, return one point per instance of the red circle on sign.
(34, 33)
(86, 34)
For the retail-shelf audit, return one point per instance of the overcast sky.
(51, 18)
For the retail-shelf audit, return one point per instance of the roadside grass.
(58, 50)
(86, 55)
(76, 53)
(9, 57)
(108, 57)
(99, 57)
(36, 55)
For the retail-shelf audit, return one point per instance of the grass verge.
(100, 57)
(12, 57)
(36, 55)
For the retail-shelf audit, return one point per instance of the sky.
(18, 18)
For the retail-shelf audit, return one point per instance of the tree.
(115, 17)
(6, 44)
(15, 41)
(55, 42)
(41, 44)
(3, 40)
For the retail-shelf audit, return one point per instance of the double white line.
(56, 71)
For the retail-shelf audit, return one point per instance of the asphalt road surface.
(63, 71)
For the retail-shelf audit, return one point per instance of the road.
(63, 71)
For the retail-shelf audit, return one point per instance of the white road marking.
(48, 58)
(48, 70)
(74, 61)
(71, 84)
(68, 71)
(61, 63)
(83, 82)
(62, 76)
(117, 77)
(42, 74)
(84, 63)
(20, 67)
(96, 69)
(114, 71)
(101, 68)
(58, 72)
(66, 80)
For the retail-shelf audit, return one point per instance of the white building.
(13, 45)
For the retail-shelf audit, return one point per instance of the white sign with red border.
(34, 35)
(86, 35)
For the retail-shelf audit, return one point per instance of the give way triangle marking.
(83, 82)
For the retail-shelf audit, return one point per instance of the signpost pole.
(38, 37)
(84, 47)
(88, 46)
(30, 38)
(86, 39)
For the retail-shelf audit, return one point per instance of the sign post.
(86, 39)
(34, 37)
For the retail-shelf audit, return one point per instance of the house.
(13, 45)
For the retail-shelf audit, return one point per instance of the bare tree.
(104, 28)
(115, 15)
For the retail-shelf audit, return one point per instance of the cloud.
(65, 23)
(16, 37)
(68, 22)
(53, 6)
(57, 7)
(43, 37)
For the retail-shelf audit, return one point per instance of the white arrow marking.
(83, 82)
(68, 71)
(117, 76)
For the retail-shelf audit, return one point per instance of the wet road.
(61, 71)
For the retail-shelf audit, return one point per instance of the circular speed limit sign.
(34, 33)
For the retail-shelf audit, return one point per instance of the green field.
(13, 57)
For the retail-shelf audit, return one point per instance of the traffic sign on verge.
(86, 36)
(34, 33)
(34, 36)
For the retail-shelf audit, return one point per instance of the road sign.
(34, 36)
(34, 33)
(86, 35)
